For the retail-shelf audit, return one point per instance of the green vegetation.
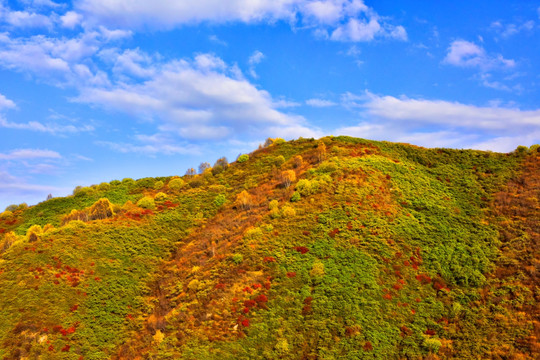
(341, 248)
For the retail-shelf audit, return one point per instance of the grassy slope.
(387, 254)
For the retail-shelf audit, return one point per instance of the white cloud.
(22, 154)
(346, 20)
(320, 103)
(201, 93)
(149, 149)
(71, 19)
(508, 30)
(5, 103)
(23, 19)
(253, 60)
(442, 123)
(467, 54)
(51, 128)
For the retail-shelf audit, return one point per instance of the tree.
(288, 177)
(244, 200)
(321, 151)
(203, 167)
(191, 172)
(220, 165)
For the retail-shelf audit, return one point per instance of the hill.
(341, 248)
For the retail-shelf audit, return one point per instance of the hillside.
(341, 248)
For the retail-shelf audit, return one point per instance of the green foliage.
(176, 184)
(219, 200)
(160, 196)
(273, 204)
(146, 203)
(158, 185)
(11, 207)
(80, 191)
(237, 258)
(296, 196)
(242, 158)
(6, 215)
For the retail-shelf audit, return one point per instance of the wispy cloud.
(6, 103)
(50, 128)
(23, 154)
(320, 103)
(467, 54)
(253, 60)
(509, 30)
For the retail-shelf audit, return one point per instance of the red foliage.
(301, 249)
(261, 298)
(247, 289)
(406, 263)
(256, 286)
(66, 348)
(305, 233)
(220, 286)
(397, 286)
(269, 259)
(74, 308)
(245, 322)
(250, 303)
(405, 331)
(368, 346)
(267, 285)
(413, 311)
(439, 285)
(51, 348)
(387, 296)
(291, 274)
(308, 300)
(45, 330)
(246, 310)
(430, 332)
(333, 233)
(423, 278)
(418, 300)
(2, 231)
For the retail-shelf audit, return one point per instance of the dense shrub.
(101, 209)
(220, 165)
(219, 200)
(6, 215)
(7, 241)
(287, 177)
(244, 200)
(295, 196)
(242, 158)
(33, 233)
(160, 196)
(176, 184)
(288, 211)
(75, 215)
(158, 185)
(146, 203)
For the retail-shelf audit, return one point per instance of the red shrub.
(397, 286)
(51, 348)
(305, 233)
(291, 274)
(387, 296)
(405, 331)
(368, 346)
(246, 310)
(74, 308)
(301, 249)
(269, 259)
(245, 322)
(333, 233)
(220, 286)
(430, 332)
(256, 286)
(261, 298)
(423, 278)
(66, 348)
(249, 303)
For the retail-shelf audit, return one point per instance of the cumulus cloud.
(71, 19)
(24, 19)
(5, 103)
(467, 54)
(339, 20)
(199, 98)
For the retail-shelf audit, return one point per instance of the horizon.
(91, 91)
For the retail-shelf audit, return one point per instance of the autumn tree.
(244, 200)
(191, 172)
(220, 165)
(203, 167)
(288, 177)
(321, 151)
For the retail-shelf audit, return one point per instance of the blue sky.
(96, 90)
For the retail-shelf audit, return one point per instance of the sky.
(97, 90)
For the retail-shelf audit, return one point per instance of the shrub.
(104, 186)
(273, 204)
(433, 345)
(279, 160)
(237, 258)
(295, 196)
(75, 215)
(317, 270)
(8, 240)
(158, 185)
(306, 187)
(194, 285)
(278, 141)
(219, 200)
(80, 191)
(146, 203)
(115, 182)
(288, 211)
(33, 233)
(160, 196)
(297, 161)
(176, 184)
(101, 209)
(22, 206)
(6, 215)
(320, 152)
(242, 158)
(11, 207)
(128, 181)
(253, 233)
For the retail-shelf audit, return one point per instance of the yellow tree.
(244, 200)
(321, 151)
(288, 177)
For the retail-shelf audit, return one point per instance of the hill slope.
(335, 249)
